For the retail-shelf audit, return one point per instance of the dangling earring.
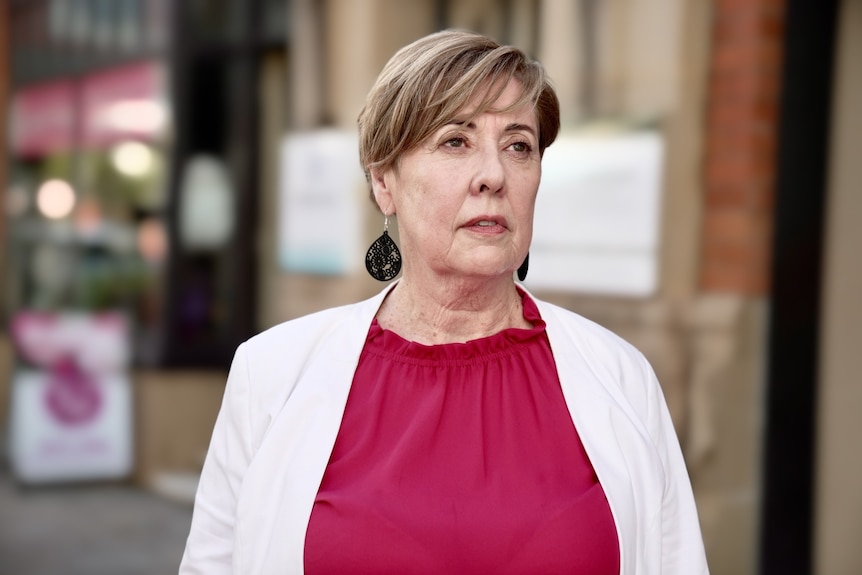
(522, 271)
(383, 259)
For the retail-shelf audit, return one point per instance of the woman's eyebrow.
(521, 128)
(509, 128)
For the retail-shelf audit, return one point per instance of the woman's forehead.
(497, 95)
(497, 99)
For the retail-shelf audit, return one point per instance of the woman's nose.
(490, 175)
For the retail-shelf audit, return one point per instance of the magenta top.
(460, 458)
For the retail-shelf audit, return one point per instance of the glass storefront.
(86, 198)
(87, 194)
(132, 168)
(129, 207)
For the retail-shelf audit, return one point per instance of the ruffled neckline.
(389, 344)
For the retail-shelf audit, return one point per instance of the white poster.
(597, 215)
(319, 213)
(71, 397)
(69, 427)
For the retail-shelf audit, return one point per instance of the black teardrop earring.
(522, 271)
(383, 259)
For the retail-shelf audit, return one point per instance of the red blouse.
(460, 458)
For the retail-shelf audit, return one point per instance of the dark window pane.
(217, 20)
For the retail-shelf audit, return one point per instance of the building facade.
(741, 286)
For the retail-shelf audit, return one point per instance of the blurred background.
(178, 175)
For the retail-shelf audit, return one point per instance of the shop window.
(87, 179)
(218, 20)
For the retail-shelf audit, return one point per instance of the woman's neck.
(460, 310)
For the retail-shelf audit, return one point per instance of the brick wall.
(742, 133)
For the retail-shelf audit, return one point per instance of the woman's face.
(464, 198)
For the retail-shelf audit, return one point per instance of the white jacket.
(282, 409)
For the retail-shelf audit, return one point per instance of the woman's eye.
(521, 147)
(455, 142)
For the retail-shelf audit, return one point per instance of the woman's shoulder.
(312, 348)
(294, 335)
(307, 324)
(612, 362)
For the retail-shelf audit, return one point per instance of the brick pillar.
(742, 134)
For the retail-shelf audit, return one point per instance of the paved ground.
(89, 530)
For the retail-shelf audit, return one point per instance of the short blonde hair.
(426, 83)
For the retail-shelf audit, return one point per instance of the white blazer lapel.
(604, 424)
(291, 461)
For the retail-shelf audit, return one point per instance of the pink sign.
(95, 343)
(71, 408)
(43, 119)
(72, 396)
(123, 103)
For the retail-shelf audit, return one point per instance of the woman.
(454, 423)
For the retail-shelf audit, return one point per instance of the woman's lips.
(487, 225)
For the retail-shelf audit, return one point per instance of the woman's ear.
(381, 190)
